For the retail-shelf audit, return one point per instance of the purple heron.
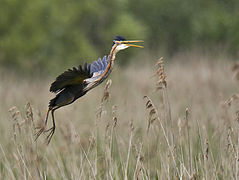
(76, 82)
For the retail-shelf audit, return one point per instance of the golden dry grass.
(187, 130)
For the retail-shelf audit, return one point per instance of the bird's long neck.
(110, 65)
(112, 54)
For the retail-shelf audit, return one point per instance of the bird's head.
(122, 43)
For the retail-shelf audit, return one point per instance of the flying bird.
(76, 82)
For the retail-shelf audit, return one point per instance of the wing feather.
(71, 77)
(76, 76)
(93, 68)
(100, 65)
(104, 62)
(97, 64)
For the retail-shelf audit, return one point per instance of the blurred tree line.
(51, 34)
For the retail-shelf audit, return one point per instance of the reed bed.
(171, 120)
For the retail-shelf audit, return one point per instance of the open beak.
(128, 43)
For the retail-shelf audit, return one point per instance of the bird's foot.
(49, 136)
(40, 131)
(43, 130)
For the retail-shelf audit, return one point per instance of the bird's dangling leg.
(52, 129)
(42, 128)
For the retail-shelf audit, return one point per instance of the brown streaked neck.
(107, 71)
(112, 54)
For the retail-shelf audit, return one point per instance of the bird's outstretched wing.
(70, 77)
(76, 76)
(98, 67)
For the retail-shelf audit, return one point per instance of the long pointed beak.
(133, 41)
(132, 45)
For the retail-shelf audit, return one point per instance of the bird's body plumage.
(76, 82)
(72, 83)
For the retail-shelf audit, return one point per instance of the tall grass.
(176, 120)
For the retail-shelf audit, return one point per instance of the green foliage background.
(48, 35)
